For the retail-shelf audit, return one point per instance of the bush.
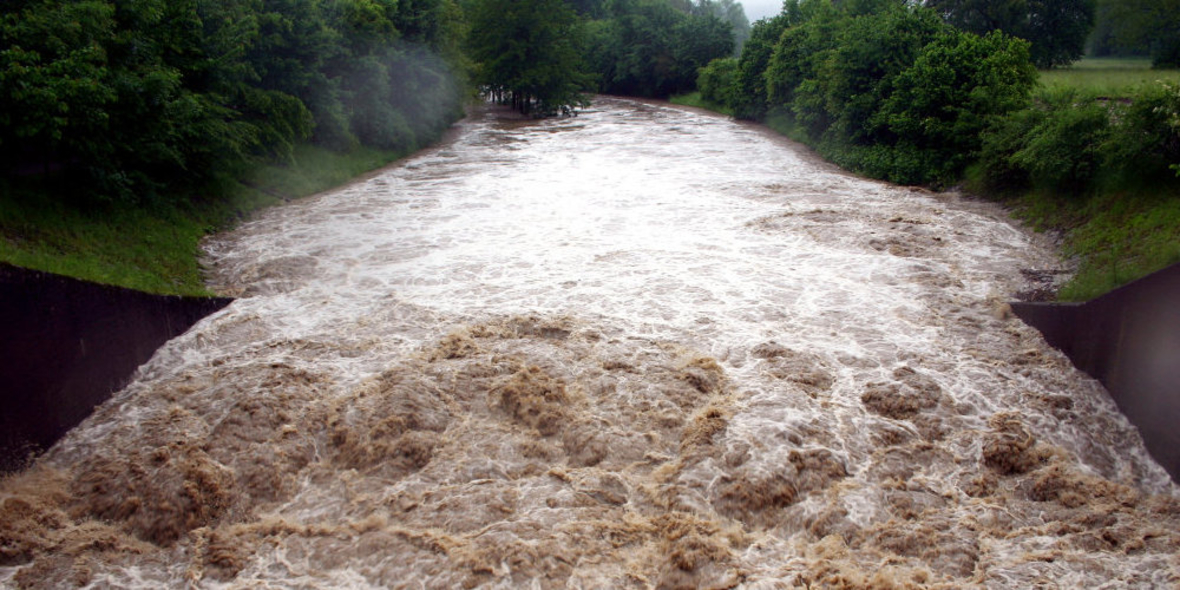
(889, 90)
(718, 82)
(1063, 152)
(957, 86)
(1144, 138)
(1074, 143)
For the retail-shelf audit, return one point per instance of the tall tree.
(1153, 25)
(656, 47)
(1057, 29)
(733, 13)
(529, 52)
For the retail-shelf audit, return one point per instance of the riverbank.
(1114, 236)
(157, 249)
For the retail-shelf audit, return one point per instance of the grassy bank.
(1116, 236)
(156, 249)
(1126, 227)
(693, 99)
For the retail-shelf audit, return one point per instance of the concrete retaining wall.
(1129, 339)
(67, 345)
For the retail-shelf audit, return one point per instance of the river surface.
(643, 347)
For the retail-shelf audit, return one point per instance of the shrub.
(718, 82)
(957, 86)
(1063, 152)
(1144, 138)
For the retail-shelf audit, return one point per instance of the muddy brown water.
(644, 347)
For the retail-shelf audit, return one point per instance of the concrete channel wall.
(1128, 339)
(67, 345)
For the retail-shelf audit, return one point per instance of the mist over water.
(643, 347)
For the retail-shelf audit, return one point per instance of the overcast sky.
(756, 9)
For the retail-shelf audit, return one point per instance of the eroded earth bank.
(643, 347)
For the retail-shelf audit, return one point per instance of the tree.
(529, 52)
(835, 70)
(958, 86)
(1153, 25)
(1057, 29)
(731, 12)
(656, 47)
(718, 81)
(136, 100)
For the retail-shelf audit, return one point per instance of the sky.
(756, 9)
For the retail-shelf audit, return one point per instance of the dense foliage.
(529, 53)
(655, 48)
(136, 99)
(1071, 143)
(1057, 29)
(889, 88)
(1139, 27)
(880, 86)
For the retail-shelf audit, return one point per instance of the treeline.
(654, 48)
(881, 87)
(545, 56)
(893, 90)
(1138, 27)
(132, 101)
(138, 100)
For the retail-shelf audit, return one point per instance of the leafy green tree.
(717, 81)
(1150, 25)
(751, 99)
(1057, 29)
(959, 85)
(529, 52)
(852, 79)
(731, 12)
(887, 88)
(656, 47)
(810, 33)
(699, 40)
(135, 100)
(55, 86)
(640, 57)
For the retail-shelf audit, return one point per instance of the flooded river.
(643, 347)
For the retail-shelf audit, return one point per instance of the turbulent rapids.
(644, 347)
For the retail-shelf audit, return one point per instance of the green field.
(1107, 76)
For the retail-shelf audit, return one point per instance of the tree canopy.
(656, 48)
(1056, 29)
(530, 52)
(138, 99)
(883, 87)
(1144, 26)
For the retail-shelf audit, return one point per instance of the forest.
(131, 114)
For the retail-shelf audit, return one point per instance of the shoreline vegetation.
(1090, 152)
(1117, 234)
(157, 249)
(135, 129)
(1120, 234)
